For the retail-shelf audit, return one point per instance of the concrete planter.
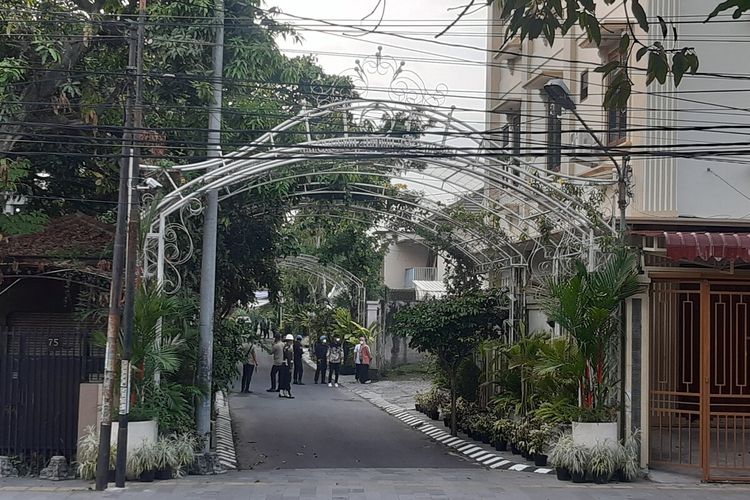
(591, 433)
(138, 433)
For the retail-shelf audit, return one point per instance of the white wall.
(401, 256)
(721, 49)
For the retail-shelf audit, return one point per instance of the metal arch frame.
(536, 190)
(333, 272)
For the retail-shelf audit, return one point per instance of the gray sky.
(462, 70)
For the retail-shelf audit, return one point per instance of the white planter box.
(590, 433)
(138, 434)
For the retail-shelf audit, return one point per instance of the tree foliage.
(532, 19)
(452, 328)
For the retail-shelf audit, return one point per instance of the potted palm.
(585, 305)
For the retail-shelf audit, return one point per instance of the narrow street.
(325, 427)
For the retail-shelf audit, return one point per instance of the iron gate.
(41, 370)
(699, 377)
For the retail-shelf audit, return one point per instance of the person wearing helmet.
(321, 359)
(298, 361)
(335, 357)
(285, 374)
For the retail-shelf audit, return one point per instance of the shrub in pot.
(88, 455)
(578, 462)
(184, 452)
(500, 431)
(143, 462)
(628, 458)
(559, 456)
(603, 461)
(165, 457)
(538, 443)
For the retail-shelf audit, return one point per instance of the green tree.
(531, 19)
(452, 329)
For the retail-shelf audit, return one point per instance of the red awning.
(708, 246)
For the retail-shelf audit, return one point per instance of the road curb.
(470, 449)
(224, 436)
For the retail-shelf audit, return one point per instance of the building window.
(617, 118)
(584, 85)
(554, 136)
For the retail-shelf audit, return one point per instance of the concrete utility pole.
(134, 219)
(210, 222)
(115, 290)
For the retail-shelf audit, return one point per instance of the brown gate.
(699, 377)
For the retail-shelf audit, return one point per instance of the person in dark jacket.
(298, 361)
(321, 359)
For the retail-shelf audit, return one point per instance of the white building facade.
(686, 361)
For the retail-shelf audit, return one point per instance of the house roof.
(71, 237)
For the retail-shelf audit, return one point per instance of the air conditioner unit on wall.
(583, 145)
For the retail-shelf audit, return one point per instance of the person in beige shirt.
(278, 359)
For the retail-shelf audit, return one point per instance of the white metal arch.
(534, 188)
(329, 271)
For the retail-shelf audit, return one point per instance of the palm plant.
(585, 304)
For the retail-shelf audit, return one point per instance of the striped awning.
(731, 247)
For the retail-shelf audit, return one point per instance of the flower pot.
(435, 415)
(600, 478)
(418, 407)
(514, 449)
(111, 474)
(447, 422)
(147, 476)
(578, 477)
(164, 474)
(563, 474)
(620, 476)
(501, 445)
(485, 437)
(540, 460)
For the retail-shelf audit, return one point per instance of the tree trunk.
(454, 432)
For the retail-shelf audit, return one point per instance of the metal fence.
(41, 370)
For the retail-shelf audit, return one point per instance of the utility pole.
(134, 218)
(210, 222)
(115, 290)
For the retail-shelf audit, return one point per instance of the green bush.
(467, 382)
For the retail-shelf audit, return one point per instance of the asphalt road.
(325, 427)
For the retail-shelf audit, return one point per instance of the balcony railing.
(419, 274)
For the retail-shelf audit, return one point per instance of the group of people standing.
(332, 356)
(287, 368)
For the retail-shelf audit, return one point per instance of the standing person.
(278, 358)
(321, 359)
(248, 365)
(357, 361)
(298, 361)
(285, 371)
(365, 357)
(335, 357)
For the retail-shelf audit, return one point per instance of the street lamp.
(560, 95)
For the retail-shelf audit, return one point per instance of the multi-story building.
(687, 371)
